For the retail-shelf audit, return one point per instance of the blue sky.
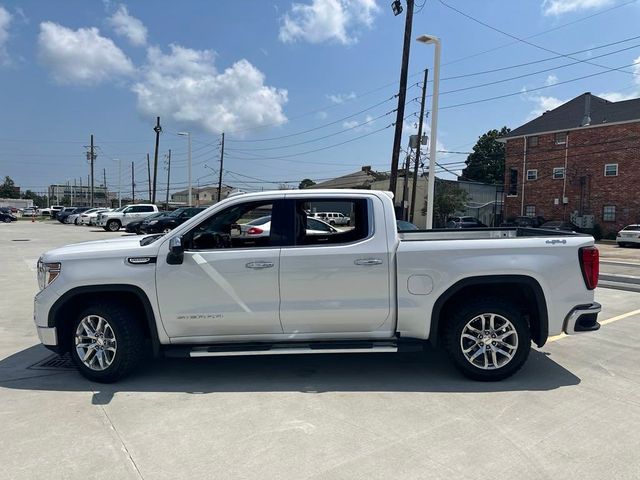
(267, 72)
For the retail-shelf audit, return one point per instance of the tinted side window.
(356, 209)
(230, 228)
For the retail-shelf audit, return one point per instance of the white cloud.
(542, 104)
(5, 22)
(128, 26)
(551, 80)
(559, 7)
(359, 126)
(633, 92)
(80, 56)
(341, 97)
(184, 86)
(322, 115)
(327, 20)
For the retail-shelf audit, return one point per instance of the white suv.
(333, 218)
(113, 221)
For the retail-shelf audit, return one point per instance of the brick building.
(579, 162)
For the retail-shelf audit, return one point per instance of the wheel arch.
(525, 289)
(72, 302)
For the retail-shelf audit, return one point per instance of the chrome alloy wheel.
(95, 343)
(489, 341)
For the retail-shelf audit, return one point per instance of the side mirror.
(176, 251)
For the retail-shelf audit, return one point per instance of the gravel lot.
(572, 412)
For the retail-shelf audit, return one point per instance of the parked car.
(30, 212)
(404, 225)
(560, 225)
(200, 291)
(464, 222)
(168, 222)
(54, 210)
(530, 222)
(115, 220)
(89, 217)
(7, 217)
(628, 236)
(261, 227)
(134, 227)
(73, 216)
(333, 218)
(62, 215)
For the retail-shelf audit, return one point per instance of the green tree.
(449, 200)
(8, 189)
(38, 200)
(306, 183)
(486, 163)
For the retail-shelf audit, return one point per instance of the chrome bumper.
(48, 335)
(583, 318)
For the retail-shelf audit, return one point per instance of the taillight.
(590, 266)
(254, 231)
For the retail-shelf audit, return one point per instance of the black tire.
(332, 223)
(131, 345)
(113, 226)
(7, 220)
(622, 245)
(454, 341)
(75, 221)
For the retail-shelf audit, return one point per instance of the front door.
(337, 282)
(228, 281)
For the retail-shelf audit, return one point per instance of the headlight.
(47, 273)
(153, 222)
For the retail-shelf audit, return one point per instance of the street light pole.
(434, 125)
(119, 183)
(188, 135)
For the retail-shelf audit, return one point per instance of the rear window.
(632, 227)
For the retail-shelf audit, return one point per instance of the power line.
(524, 40)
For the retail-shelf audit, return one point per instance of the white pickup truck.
(208, 289)
(114, 220)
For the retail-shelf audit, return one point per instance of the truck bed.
(481, 233)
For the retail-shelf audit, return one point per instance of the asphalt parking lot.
(572, 412)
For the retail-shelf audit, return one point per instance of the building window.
(513, 182)
(609, 213)
(561, 138)
(532, 174)
(532, 141)
(611, 170)
(530, 210)
(558, 173)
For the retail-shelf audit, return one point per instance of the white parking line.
(603, 322)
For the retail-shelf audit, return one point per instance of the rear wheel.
(107, 342)
(166, 230)
(332, 222)
(488, 339)
(7, 220)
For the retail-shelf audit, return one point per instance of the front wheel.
(107, 342)
(488, 339)
(113, 225)
(7, 220)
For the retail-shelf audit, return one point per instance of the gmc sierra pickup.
(211, 287)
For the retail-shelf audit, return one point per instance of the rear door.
(337, 282)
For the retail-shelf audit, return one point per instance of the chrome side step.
(230, 350)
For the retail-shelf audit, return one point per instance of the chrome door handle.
(259, 265)
(368, 261)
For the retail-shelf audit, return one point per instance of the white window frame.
(611, 165)
(604, 213)
(555, 138)
(535, 174)
(558, 169)
(526, 207)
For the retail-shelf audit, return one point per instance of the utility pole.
(119, 183)
(166, 207)
(402, 95)
(156, 129)
(221, 165)
(133, 184)
(405, 186)
(149, 174)
(417, 165)
(92, 158)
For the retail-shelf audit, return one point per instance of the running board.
(230, 350)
